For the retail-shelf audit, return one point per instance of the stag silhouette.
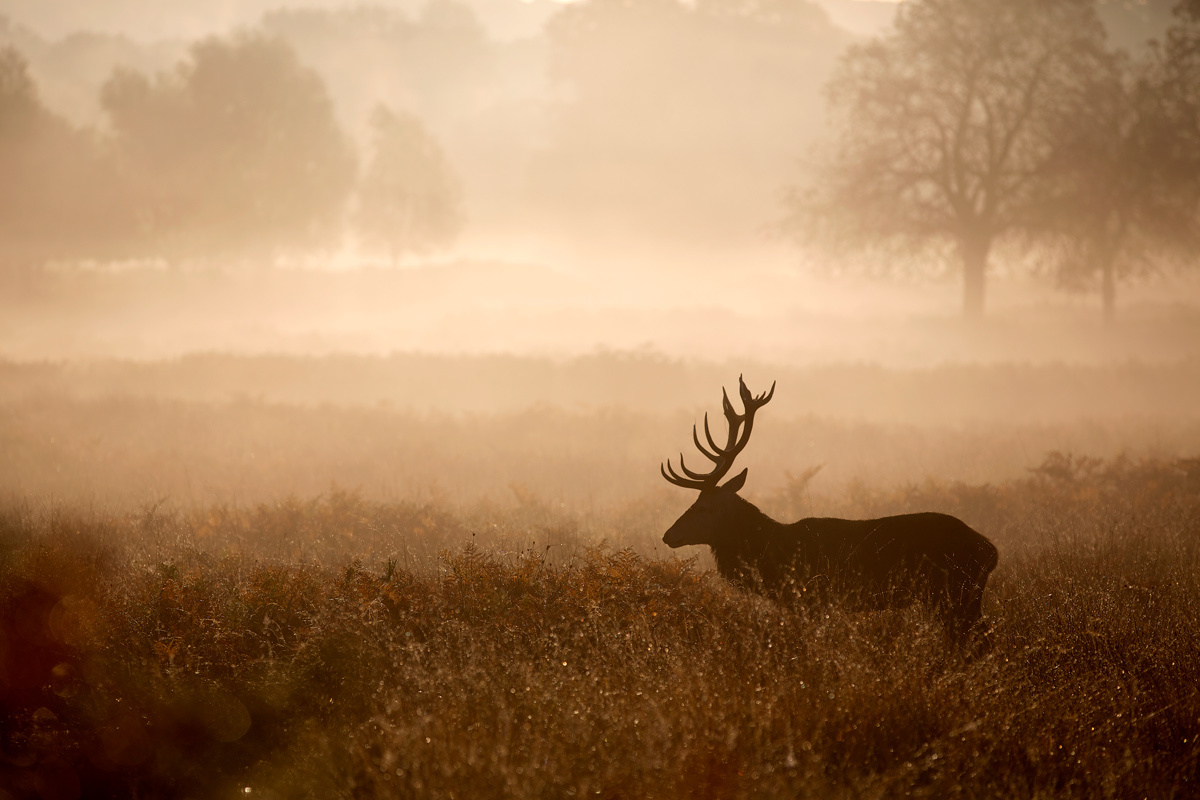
(861, 565)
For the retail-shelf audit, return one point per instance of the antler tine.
(708, 435)
(749, 400)
(714, 454)
(752, 404)
(732, 418)
(765, 397)
(696, 476)
(672, 477)
(677, 479)
(726, 405)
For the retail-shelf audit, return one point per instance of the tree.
(1130, 178)
(1177, 61)
(947, 130)
(53, 178)
(236, 152)
(22, 120)
(410, 200)
(1176, 87)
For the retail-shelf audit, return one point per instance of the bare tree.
(1128, 200)
(947, 130)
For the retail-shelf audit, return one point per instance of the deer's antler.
(740, 426)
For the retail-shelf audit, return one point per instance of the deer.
(860, 565)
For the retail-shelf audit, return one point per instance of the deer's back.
(887, 546)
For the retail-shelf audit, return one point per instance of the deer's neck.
(746, 537)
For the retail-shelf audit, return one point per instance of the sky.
(159, 19)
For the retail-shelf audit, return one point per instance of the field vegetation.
(375, 326)
(341, 647)
(269, 597)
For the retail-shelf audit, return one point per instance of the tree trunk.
(975, 257)
(1108, 290)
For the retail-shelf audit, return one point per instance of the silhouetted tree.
(410, 200)
(948, 130)
(1176, 87)
(22, 121)
(53, 178)
(1177, 59)
(1130, 178)
(236, 152)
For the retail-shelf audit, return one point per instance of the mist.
(427, 192)
(593, 202)
(351, 355)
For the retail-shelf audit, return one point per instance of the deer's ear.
(735, 483)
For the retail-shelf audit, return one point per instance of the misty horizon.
(577, 229)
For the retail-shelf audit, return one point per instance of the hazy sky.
(157, 19)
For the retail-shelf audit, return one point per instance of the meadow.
(270, 598)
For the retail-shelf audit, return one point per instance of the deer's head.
(714, 511)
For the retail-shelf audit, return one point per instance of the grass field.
(481, 607)
(311, 649)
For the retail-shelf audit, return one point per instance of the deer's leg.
(971, 631)
(960, 606)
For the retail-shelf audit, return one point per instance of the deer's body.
(863, 565)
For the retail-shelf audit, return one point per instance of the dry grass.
(326, 649)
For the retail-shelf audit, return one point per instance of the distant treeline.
(285, 137)
(978, 128)
(235, 154)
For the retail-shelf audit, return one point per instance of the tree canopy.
(410, 200)
(236, 152)
(52, 177)
(1130, 183)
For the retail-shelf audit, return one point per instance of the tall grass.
(347, 647)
